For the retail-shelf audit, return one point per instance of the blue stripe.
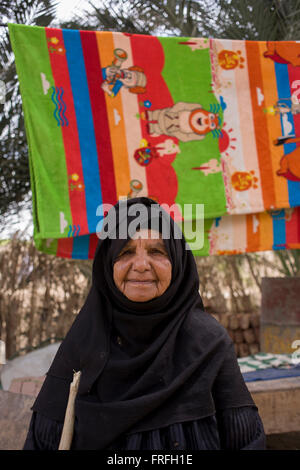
(279, 235)
(283, 90)
(81, 247)
(85, 125)
(282, 78)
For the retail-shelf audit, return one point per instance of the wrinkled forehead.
(147, 238)
(147, 234)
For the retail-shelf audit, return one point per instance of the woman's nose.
(141, 261)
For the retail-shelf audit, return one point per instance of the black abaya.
(176, 365)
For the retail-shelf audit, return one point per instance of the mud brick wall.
(280, 314)
(15, 415)
(244, 330)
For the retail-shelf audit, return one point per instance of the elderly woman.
(157, 372)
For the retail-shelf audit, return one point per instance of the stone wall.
(15, 415)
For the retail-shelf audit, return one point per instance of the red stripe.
(93, 245)
(291, 229)
(161, 177)
(100, 118)
(61, 77)
(64, 247)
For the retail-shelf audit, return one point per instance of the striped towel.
(265, 361)
(192, 121)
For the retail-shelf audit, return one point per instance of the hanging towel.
(191, 121)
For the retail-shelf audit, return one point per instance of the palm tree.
(228, 19)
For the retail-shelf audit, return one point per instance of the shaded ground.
(285, 441)
(15, 414)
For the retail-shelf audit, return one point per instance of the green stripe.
(188, 76)
(204, 251)
(49, 178)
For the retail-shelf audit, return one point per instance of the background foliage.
(233, 19)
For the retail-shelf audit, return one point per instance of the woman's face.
(142, 270)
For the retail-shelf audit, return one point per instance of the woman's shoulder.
(199, 321)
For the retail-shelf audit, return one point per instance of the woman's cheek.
(164, 271)
(119, 273)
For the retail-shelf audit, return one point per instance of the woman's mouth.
(141, 282)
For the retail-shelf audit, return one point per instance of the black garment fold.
(176, 362)
(234, 429)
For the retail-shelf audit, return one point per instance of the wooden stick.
(68, 428)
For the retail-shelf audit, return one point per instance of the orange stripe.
(261, 127)
(253, 237)
(273, 124)
(114, 108)
(266, 231)
(294, 246)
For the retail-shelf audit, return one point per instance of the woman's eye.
(158, 252)
(125, 253)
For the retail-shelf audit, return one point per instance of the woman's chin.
(139, 296)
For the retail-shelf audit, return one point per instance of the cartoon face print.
(202, 121)
(112, 73)
(129, 78)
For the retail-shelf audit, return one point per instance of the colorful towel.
(272, 374)
(228, 235)
(265, 366)
(272, 230)
(181, 120)
(261, 361)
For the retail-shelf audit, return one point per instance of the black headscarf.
(173, 363)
